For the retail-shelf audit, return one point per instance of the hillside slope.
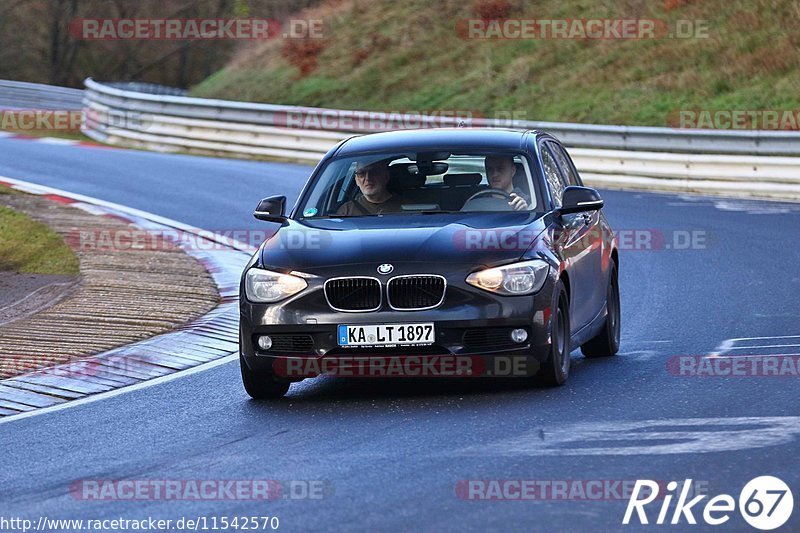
(412, 55)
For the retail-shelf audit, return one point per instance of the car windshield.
(417, 183)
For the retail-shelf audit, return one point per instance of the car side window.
(341, 190)
(338, 192)
(346, 184)
(564, 162)
(553, 176)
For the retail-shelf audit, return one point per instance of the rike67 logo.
(765, 503)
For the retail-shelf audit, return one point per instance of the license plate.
(386, 335)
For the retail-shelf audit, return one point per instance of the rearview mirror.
(431, 168)
(271, 209)
(579, 200)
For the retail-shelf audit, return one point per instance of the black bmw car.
(433, 252)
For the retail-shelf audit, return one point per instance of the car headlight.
(265, 286)
(515, 279)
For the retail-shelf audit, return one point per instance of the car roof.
(436, 139)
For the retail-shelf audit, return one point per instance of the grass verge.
(31, 247)
(394, 56)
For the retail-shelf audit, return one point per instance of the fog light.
(519, 335)
(265, 342)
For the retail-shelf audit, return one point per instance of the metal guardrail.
(147, 88)
(24, 95)
(748, 163)
(579, 135)
(728, 162)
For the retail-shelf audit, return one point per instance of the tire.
(261, 384)
(606, 343)
(555, 371)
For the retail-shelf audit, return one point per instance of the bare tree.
(36, 43)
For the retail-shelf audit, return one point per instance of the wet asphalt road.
(390, 455)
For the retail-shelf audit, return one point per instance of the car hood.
(477, 238)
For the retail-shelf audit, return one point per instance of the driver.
(500, 170)
(372, 180)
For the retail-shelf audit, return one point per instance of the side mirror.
(579, 200)
(271, 209)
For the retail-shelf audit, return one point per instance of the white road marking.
(751, 206)
(765, 346)
(647, 437)
(767, 338)
(124, 390)
(55, 140)
(642, 355)
(742, 343)
(723, 348)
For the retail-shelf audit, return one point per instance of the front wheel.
(555, 370)
(261, 384)
(606, 343)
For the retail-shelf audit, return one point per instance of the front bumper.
(470, 322)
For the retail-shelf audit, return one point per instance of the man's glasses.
(361, 174)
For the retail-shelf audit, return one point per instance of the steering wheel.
(489, 192)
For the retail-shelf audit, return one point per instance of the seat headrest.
(463, 179)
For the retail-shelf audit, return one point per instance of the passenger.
(376, 198)
(500, 172)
